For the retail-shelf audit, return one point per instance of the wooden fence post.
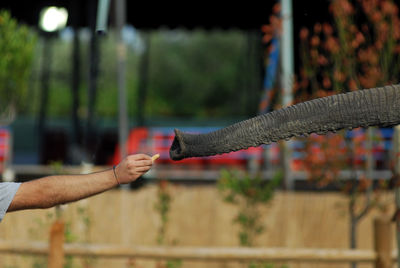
(56, 245)
(396, 180)
(383, 242)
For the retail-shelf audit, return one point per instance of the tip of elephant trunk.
(178, 148)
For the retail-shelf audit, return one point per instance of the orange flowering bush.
(325, 156)
(275, 25)
(361, 49)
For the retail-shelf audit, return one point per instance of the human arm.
(60, 189)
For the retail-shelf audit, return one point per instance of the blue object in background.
(270, 75)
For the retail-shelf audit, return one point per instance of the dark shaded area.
(151, 15)
(55, 146)
(106, 147)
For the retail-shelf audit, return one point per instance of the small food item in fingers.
(155, 157)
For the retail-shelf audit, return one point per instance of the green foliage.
(253, 189)
(197, 74)
(85, 218)
(173, 264)
(247, 193)
(190, 73)
(57, 168)
(40, 263)
(17, 45)
(162, 206)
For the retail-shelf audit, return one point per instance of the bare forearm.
(54, 190)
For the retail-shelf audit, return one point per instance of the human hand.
(132, 167)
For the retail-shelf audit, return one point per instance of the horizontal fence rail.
(196, 253)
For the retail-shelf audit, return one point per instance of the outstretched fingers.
(133, 166)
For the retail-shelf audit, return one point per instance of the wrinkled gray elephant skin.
(362, 108)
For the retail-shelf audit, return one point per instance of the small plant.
(247, 193)
(163, 206)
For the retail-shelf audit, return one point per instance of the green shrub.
(247, 193)
(17, 43)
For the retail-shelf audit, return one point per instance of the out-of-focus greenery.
(17, 43)
(198, 74)
(194, 74)
(248, 193)
(162, 206)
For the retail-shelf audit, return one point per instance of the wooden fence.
(383, 255)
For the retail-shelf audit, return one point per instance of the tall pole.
(287, 77)
(397, 217)
(396, 160)
(102, 16)
(76, 77)
(120, 14)
(94, 53)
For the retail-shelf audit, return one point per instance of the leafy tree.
(194, 73)
(17, 44)
(199, 74)
(360, 50)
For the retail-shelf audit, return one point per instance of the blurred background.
(79, 91)
(197, 68)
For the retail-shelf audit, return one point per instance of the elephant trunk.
(362, 108)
